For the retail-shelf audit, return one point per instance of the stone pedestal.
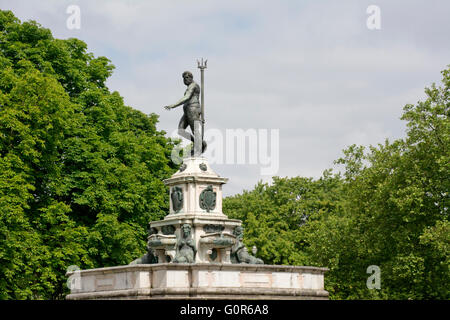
(214, 263)
(199, 281)
(195, 199)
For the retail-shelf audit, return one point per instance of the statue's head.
(187, 77)
(186, 228)
(238, 231)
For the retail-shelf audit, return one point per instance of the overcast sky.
(311, 69)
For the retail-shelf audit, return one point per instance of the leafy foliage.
(80, 173)
(274, 216)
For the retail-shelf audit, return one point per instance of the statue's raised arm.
(190, 92)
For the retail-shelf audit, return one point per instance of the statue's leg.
(191, 125)
(182, 128)
(193, 122)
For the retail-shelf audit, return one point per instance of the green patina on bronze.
(213, 254)
(203, 167)
(222, 241)
(154, 243)
(239, 252)
(213, 228)
(177, 199)
(208, 199)
(150, 257)
(168, 230)
(185, 247)
(192, 110)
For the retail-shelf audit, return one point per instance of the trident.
(202, 66)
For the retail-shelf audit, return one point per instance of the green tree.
(274, 216)
(396, 208)
(80, 172)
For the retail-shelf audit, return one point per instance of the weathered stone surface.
(200, 281)
(191, 182)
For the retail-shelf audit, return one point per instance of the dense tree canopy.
(388, 208)
(80, 173)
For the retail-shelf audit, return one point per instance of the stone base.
(199, 281)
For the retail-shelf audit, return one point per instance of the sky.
(312, 73)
